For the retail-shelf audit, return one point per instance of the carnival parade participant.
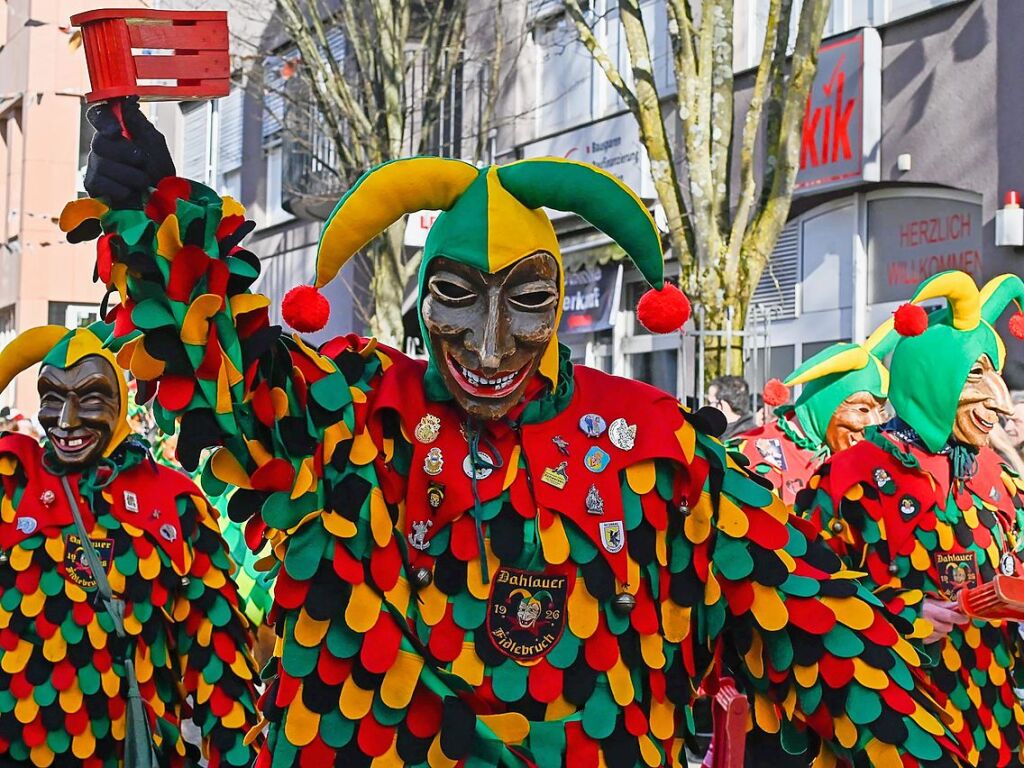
(926, 509)
(491, 557)
(844, 391)
(118, 616)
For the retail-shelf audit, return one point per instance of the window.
(71, 315)
(775, 294)
(564, 77)
(7, 333)
(274, 212)
(196, 146)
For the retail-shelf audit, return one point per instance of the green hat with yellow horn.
(933, 358)
(490, 218)
(62, 348)
(836, 373)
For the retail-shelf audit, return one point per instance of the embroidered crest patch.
(76, 566)
(526, 612)
(957, 570)
(613, 536)
(770, 449)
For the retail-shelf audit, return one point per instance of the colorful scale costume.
(62, 676)
(450, 592)
(923, 516)
(787, 451)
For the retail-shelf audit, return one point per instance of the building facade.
(43, 280)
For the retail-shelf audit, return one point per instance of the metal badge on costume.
(76, 567)
(622, 435)
(771, 449)
(428, 429)
(596, 460)
(526, 613)
(613, 536)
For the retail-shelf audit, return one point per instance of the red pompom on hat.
(775, 393)
(1017, 325)
(663, 311)
(305, 309)
(910, 320)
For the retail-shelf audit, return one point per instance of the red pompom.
(663, 311)
(1017, 325)
(775, 393)
(305, 309)
(910, 320)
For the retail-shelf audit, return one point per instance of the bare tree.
(721, 232)
(365, 82)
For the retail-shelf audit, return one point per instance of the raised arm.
(775, 608)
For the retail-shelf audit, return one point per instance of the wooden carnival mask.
(984, 399)
(488, 331)
(857, 412)
(79, 408)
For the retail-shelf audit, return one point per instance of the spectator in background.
(1008, 438)
(731, 395)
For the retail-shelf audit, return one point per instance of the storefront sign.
(613, 145)
(591, 296)
(418, 227)
(843, 124)
(911, 238)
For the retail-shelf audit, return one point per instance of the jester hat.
(490, 218)
(836, 373)
(933, 358)
(62, 348)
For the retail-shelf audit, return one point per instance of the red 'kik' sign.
(839, 136)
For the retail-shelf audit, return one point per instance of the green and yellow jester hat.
(62, 348)
(834, 374)
(490, 218)
(933, 358)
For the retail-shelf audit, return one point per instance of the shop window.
(70, 315)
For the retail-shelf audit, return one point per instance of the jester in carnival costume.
(926, 509)
(490, 557)
(118, 616)
(844, 391)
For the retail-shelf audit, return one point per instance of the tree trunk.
(723, 354)
(388, 285)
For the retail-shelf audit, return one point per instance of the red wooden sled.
(155, 55)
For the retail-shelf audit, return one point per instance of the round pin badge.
(593, 425)
(1007, 564)
(622, 435)
(484, 466)
(428, 429)
(596, 459)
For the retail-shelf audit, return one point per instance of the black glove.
(122, 170)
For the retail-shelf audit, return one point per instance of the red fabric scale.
(331, 669)
(821, 722)
(27, 581)
(836, 672)
(275, 475)
(164, 200)
(228, 225)
(101, 660)
(810, 615)
(123, 324)
(34, 734)
(380, 645)
(765, 529)
(424, 715)
(220, 704)
(224, 647)
(289, 592)
(316, 754)
(287, 689)
(636, 720)
(63, 675)
(446, 638)
(373, 738)
(188, 266)
(210, 364)
(116, 706)
(544, 682)
(739, 595)
(175, 392)
(21, 687)
(644, 616)
(521, 498)
(8, 639)
(899, 700)
(347, 567)
(601, 649)
(77, 723)
(262, 405)
(655, 510)
(463, 541)
(386, 566)
(583, 749)
(881, 632)
(44, 628)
